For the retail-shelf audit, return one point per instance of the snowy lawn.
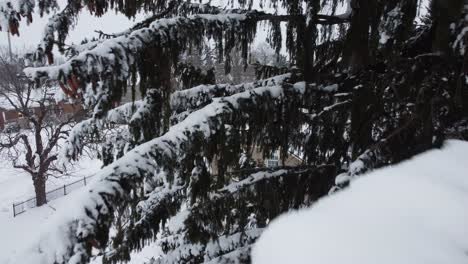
(16, 186)
(412, 213)
(18, 233)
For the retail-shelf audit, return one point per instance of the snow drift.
(414, 212)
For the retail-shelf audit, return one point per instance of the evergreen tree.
(367, 88)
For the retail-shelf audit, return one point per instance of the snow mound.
(412, 213)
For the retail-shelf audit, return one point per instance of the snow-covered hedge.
(413, 213)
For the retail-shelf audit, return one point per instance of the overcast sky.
(110, 23)
(31, 35)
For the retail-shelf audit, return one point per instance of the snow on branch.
(11, 12)
(175, 240)
(119, 53)
(329, 109)
(89, 128)
(124, 114)
(145, 122)
(225, 249)
(263, 175)
(225, 239)
(461, 29)
(55, 32)
(112, 62)
(235, 256)
(134, 113)
(59, 25)
(73, 146)
(80, 230)
(222, 249)
(200, 95)
(371, 158)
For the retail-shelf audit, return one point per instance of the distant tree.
(33, 150)
(264, 54)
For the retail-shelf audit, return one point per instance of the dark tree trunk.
(461, 93)
(40, 189)
(376, 10)
(310, 39)
(309, 43)
(358, 36)
(443, 13)
(408, 9)
(362, 112)
(166, 87)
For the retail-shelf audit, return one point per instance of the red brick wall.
(11, 115)
(7, 116)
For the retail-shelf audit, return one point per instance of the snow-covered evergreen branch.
(11, 12)
(114, 56)
(177, 241)
(201, 95)
(125, 113)
(91, 127)
(163, 155)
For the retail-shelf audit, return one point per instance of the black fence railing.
(21, 207)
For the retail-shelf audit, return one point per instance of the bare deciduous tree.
(33, 150)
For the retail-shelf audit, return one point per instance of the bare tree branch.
(34, 151)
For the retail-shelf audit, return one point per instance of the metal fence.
(21, 207)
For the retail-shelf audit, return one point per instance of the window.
(273, 161)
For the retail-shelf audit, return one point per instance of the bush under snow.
(412, 213)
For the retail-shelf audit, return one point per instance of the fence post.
(84, 179)
(14, 211)
(64, 189)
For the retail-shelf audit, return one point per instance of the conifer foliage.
(368, 86)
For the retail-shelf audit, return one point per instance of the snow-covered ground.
(412, 213)
(18, 233)
(16, 186)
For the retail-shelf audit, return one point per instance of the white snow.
(331, 88)
(384, 38)
(411, 213)
(18, 233)
(196, 96)
(16, 186)
(256, 177)
(348, 11)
